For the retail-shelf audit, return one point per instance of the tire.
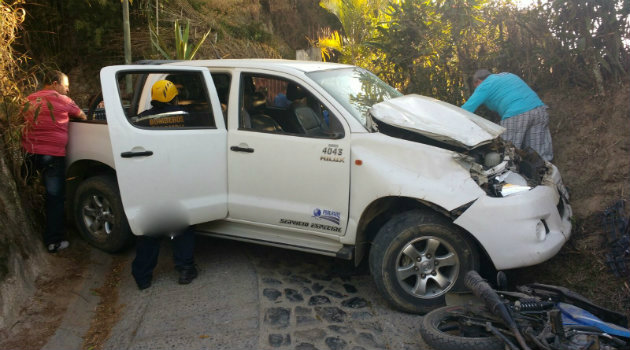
(99, 214)
(442, 329)
(417, 257)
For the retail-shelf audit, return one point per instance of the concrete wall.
(312, 54)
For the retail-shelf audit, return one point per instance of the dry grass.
(592, 146)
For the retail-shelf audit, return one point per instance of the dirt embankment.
(591, 139)
(47, 300)
(591, 136)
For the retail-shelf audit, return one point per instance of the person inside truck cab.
(165, 105)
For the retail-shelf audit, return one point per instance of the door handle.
(242, 149)
(136, 154)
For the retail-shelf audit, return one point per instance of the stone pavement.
(312, 302)
(255, 297)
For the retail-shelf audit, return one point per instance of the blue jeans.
(148, 250)
(53, 171)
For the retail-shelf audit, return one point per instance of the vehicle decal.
(169, 121)
(313, 225)
(332, 159)
(332, 150)
(294, 222)
(330, 215)
(325, 227)
(332, 153)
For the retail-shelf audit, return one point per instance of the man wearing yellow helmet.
(163, 91)
(164, 99)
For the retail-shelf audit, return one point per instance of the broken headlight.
(509, 183)
(495, 169)
(509, 189)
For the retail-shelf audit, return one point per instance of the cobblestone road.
(312, 302)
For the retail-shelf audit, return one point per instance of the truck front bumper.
(523, 229)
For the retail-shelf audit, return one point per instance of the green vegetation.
(182, 50)
(432, 47)
(14, 80)
(252, 31)
(429, 47)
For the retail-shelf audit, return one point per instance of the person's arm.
(81, 116)
(74, 112)
(476, 99)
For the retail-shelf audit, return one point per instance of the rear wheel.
(419, 256)
(459, 328)
(99, 214)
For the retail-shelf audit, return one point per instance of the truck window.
(167, 100)
(276, 105)
(222, 83)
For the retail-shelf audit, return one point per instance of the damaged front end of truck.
(524, 216)
(502, 170)
(498, 167)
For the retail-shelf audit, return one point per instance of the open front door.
(170, 158)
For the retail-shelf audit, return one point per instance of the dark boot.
(187, 274)
(147, 251)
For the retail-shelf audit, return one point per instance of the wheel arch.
(99, 215)
(81, 170)
(380, 210)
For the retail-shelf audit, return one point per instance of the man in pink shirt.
(44, 139)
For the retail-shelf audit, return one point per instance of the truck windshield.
(355, 88)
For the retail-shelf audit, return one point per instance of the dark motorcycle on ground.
(535, 316)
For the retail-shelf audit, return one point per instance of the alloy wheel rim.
(427, 267)
(97, 216)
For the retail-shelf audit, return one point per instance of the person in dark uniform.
(164, 106)
(164, 99)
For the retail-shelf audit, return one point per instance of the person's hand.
(81, 116)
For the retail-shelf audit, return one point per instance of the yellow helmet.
(163, 91)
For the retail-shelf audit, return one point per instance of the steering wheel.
(96, 100)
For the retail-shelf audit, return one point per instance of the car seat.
(310, 123)
(252, 114)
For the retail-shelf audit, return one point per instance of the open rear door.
(171, 167)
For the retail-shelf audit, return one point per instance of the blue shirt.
(504, 93)
(281, 100)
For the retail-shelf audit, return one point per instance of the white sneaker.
(55, 247)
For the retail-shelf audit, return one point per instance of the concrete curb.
(80, 312)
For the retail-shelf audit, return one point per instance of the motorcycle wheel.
(443, 329)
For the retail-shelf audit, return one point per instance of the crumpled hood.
(437, 120)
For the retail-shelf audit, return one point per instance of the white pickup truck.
(319, 157)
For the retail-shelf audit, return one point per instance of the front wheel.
(417, 257)
(460, 328)
(99, 214)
